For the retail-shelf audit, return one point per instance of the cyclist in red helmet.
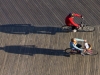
(69, 21)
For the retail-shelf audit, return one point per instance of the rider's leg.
(80, 51)
(74, 29)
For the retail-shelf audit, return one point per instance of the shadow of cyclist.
(28, 28)
(32, 50)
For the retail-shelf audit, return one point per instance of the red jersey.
(70, 20)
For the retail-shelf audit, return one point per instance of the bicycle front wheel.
(88, 28)
(94, 52)
(91, 52)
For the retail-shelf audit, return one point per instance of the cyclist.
(69, 21)
(88, 47)
(74, 46)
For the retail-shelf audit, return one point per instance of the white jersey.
(86, 45)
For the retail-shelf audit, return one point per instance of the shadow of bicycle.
(28, 28)
(32, 50)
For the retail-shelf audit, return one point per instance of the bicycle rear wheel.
(88, 28)
(67, 52)
(70, 51)
(66, 28)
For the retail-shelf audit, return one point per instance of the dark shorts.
(78, 45)
(73, 27)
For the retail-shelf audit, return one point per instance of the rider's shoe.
(82, 54)
(74, 30)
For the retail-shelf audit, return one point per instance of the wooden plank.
(32, 41)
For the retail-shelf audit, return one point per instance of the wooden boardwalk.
(32, 42)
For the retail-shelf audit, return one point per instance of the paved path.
(32, 43)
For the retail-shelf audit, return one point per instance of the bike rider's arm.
(77, 39)
(73, 23)
(77, 15)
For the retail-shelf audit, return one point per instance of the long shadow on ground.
(32, 50)
(28, 28)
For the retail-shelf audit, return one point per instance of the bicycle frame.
(83, 23)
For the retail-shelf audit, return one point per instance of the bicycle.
(83, 27)
(73, 52)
